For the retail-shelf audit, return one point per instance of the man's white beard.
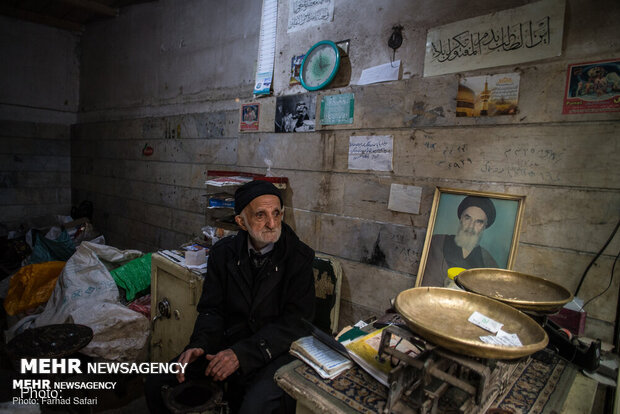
(467, 240)
(268, 237)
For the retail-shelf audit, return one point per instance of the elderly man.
(259, 284)
(463, 249)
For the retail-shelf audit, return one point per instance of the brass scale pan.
(440, 315)
(524, 292)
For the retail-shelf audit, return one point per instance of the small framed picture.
(249, 117)
(469, 229)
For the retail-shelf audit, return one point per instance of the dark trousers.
(257, 393)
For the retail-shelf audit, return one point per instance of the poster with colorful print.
(592, 87)
(249, 117)
(295, 68)
(490, 95)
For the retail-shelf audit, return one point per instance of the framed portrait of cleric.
(469, 229)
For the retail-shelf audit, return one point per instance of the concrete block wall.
(178, 87)
(156, 201)
(38, 102)
(40, 67)
(35, 176)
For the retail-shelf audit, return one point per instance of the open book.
(365, 352)
(326, 362)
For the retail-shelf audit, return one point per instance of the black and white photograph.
(295, 113)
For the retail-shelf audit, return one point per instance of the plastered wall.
(173, 74)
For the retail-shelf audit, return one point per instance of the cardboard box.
(195, 258)
(574, 321)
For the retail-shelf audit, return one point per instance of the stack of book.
(326, 362)
(365, 352)
(329, 357)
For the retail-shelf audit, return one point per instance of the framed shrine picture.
(469, 229)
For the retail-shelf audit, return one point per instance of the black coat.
(258, 324)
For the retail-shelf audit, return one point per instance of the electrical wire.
(613, 233)
(611, 278)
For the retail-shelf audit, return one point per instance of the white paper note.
(485, 322)
(371, 152)
(504, 339)
(405, 198)
(512, 338)
(381, 73)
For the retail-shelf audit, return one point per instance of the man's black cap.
(249, 191)
(483, 203)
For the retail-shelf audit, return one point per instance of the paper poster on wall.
(491, 95)
(371, 152)
(308, 13)
(592, 87)
(337, 109)
(295, 68)
(249, 117)
(295, 113)
(522, 34)
(266, 48)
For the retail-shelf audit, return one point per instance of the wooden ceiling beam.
(41, 19)
(93, 6)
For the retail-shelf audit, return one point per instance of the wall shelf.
(221, 186)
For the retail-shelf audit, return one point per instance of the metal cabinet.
(175, 292)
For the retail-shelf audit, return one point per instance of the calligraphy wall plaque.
(303, 14)
(523, 34)
(337, 109)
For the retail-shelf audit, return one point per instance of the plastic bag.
(86, 294)
(142, 305)
(32, 286)
(216, 233)
(134, 276)
(46, 250)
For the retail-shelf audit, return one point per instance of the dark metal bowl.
(50, 341)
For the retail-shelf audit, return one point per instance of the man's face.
(262, 219)
(472, 225)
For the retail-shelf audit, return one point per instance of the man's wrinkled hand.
(188, 357)
(222, 364)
